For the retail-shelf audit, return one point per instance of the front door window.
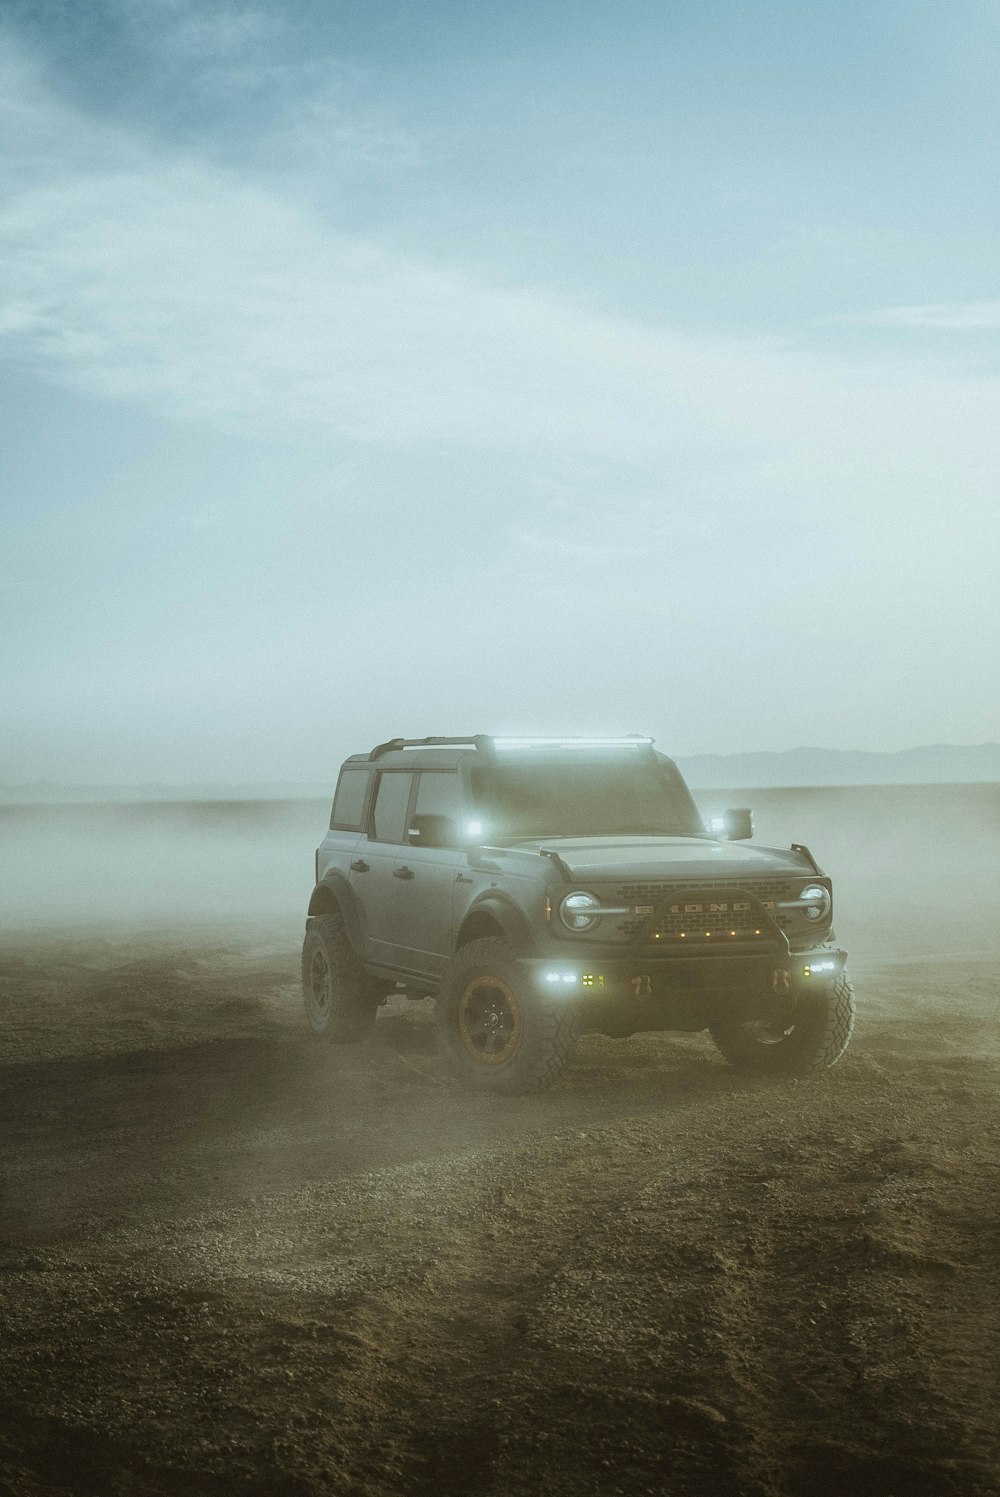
(438, 795)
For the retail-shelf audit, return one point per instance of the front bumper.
(683, 993)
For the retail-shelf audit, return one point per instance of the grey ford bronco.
(545, 887)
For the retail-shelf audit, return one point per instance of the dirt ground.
(236, 1261)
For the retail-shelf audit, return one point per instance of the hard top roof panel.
(428, 758)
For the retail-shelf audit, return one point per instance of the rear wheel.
(340, 998)
(812, 1038)
(496, 1032)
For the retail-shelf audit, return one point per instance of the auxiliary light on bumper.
(824, 966)
(619, 977)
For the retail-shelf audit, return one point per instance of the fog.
(158, 863)
(916, 869)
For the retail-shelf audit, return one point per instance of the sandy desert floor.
(235, 1261)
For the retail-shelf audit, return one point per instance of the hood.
(643, 859)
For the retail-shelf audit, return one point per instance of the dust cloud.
(916, 868)
(916, 879)
(157, 863)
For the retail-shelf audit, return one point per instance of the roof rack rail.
(471, 740)
(487, 745)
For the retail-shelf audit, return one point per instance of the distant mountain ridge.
(941, 763)
(938, 763)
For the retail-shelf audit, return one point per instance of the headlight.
(815, 902)
(575, 911)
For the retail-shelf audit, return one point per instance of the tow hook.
(779, 980)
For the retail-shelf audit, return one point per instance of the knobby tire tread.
(800, 1052)
(357, 994)
(555, 1029)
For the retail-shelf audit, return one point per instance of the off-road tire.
(345, 1012)
(816, 1040)
(540, 1040)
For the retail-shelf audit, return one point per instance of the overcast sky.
(400, 367)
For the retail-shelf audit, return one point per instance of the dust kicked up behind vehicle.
(541, 888)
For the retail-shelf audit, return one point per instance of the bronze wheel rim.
(318, 989)
(490, 1020)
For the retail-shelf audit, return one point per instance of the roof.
(446, 753)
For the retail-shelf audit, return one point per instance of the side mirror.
(432, 831)
(732, 826)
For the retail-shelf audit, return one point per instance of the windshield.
(592, 799)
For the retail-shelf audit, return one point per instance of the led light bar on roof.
(572, 743)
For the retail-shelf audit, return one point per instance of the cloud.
(947, 316)
(200, 33)
(721, 514)
(146, 273)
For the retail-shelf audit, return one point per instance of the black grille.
(741, 913)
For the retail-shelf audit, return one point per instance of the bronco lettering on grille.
(737, 907)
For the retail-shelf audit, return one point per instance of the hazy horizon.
(565, 369)
(904, 849)
(800, 768)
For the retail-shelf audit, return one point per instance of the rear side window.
(391, 800)
(349, 801)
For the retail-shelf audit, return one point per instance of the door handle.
(359, 866)
(403, 873)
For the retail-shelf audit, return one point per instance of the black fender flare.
(508, 916)
(336, 888)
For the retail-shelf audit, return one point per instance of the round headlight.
(574, 911)
(816, 902)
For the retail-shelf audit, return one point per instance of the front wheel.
(497, 1033)
(812, 1038)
